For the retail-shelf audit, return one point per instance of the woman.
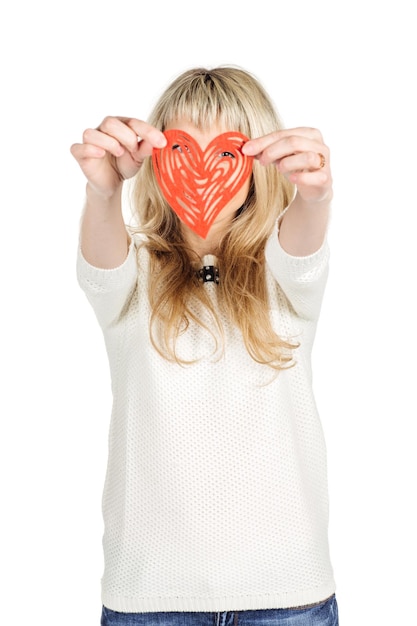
(215, 502)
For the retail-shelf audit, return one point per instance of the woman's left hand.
(301, 155)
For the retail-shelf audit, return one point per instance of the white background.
(346, 68)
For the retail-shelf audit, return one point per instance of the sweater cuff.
(303, 269)
(98, 280)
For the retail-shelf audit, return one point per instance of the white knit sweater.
(216, 492)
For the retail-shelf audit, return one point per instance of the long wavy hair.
(235, 99)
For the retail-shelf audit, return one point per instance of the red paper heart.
(198, 184)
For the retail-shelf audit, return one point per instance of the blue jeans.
(324, 614)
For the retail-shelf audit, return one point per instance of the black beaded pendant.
(209, 274)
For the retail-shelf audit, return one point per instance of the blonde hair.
(235, 99)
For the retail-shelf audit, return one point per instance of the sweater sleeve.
(108, 290)
(302, 279)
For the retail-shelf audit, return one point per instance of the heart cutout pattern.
(196, 183)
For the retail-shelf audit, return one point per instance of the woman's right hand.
(114, 152)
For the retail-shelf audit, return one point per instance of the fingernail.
(161, 142)
(247, 148)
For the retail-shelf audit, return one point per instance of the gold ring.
(322, 160)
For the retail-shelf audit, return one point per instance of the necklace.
(209, 273)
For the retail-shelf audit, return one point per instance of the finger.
(109, 143)
(303, 161)
(147, 133)
(290, 146)
(148, 138)
(118, 129)
(256, 146)
(130, 133)
(81, 151)
(318, 181)
(138, 137)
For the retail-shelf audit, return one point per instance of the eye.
(179, 148)
(230, 155)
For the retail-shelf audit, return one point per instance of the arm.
(302, 278)
(109, 155)
(104, 239)
(301, 155)
(108, 290)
